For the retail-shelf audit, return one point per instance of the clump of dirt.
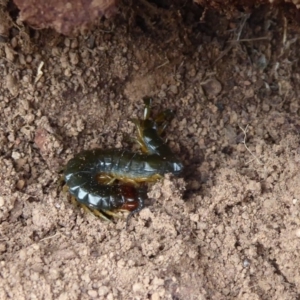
(229, 228)
(67, 17)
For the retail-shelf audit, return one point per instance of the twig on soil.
(244, 142)
(250, 40)
(39, 73)
(238, 35)
(50, 237)
(163, 64)
(284, 35)
(246, 17)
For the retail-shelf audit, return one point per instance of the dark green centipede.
(112, 179)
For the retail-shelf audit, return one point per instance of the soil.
(229, 228)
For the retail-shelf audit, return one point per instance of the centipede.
(110, 180)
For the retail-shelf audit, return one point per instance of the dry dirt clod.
(212, 87)
(12, 85)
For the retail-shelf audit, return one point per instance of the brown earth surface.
(234, 233)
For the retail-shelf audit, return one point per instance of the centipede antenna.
(139, 139)
(148, 104)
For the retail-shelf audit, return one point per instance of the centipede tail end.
(139, 201)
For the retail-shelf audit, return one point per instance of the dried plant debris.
(231, 7)
(6, 21)
(65, 16)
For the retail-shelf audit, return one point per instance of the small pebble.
(12, 85)
(155, 296)
(212, 87)
(103, 290)
(20, 184)
(137, 287)
(173, 89)
(92, 293)
(1, 201)
(297, 232)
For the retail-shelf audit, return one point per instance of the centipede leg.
(163, 119)
(112, 214)
(106, 179)
(148, 104)
(98, 214)
(139, 139)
